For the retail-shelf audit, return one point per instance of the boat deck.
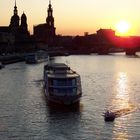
(60, 70)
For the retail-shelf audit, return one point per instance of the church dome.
(23, 16)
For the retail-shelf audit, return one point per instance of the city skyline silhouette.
(76, 17)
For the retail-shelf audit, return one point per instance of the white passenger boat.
(62, 85)
(37, 57)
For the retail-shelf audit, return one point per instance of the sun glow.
(123, 27)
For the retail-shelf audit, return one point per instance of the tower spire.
(50, 19)
(15, 9)
(15, 4)
(14, 23)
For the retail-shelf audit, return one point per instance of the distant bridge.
(106, 48)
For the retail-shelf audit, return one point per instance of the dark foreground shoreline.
(11, 59)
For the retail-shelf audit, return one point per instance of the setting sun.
(123, 27)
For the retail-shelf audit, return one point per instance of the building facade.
(18, 29)
(14, 34)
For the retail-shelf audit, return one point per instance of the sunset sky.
(74, 17)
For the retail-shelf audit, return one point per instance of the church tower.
(46, 32)
(50, 21)
(14, 24)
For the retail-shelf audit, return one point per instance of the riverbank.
(9, 59)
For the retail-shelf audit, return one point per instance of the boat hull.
(63, 100)
(109, 116)
(109, 119)
(35, 61)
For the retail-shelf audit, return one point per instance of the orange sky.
(74, 17)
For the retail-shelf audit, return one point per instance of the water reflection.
(122, 99)
(63, 121)
(122, 106)
(121, 136)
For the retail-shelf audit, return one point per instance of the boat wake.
(38, 82)
(124, 111)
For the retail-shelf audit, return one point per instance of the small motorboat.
(109, 116)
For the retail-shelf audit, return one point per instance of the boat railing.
(62, 87)
(64, 94)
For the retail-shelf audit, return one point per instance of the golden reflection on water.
(122, 97)
(122, 136)
(122, 105)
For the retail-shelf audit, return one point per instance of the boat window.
(73, 82)
(71, 91)
(64, 82)
(55, 82)
(60, 92)
(63, 92)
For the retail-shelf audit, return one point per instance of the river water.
(108, 82)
